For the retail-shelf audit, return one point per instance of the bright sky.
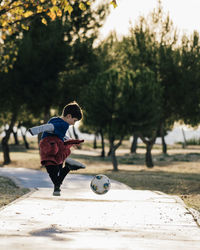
(185, 14)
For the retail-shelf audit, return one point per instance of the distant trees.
(162, 73)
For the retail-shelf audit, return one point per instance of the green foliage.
(145, 98)
(189, 102)
(81, 31)
(105, 103)
(193, 141)
(42, 55)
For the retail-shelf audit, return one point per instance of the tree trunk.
(102, 144)
(184, 144)
(162, 134)
(15, 137)
(109, 152)
(4, 143)
(164, 145)
(113, 149)
(26, 144)
(6, 151)
(114, 159)
(95, 142)
(134, 143)
(149, 145)
(148, 156)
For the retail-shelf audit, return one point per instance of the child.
(54, 148)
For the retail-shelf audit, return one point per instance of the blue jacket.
(60, 128)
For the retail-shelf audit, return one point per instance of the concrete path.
(79, 219)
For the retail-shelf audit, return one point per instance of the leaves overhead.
(17, 13)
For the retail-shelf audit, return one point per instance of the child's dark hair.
(73, 109)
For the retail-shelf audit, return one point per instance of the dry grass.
(9, 191)
(176, 173)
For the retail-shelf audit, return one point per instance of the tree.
(33, 79)
(44, 53)
(144, 96)
(81, 31)
(152, 43)
(43, 50)
(103, 59)
(105, 105)
(17, 15)
(189, 80)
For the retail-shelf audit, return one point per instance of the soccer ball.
(100, 184)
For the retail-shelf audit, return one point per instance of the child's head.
(74, 110)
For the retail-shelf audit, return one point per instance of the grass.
(9, 191)
(192, 141)
(177, 173)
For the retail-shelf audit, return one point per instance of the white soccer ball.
(100, 184)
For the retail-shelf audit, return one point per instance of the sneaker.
(73, 165)
(56, 191)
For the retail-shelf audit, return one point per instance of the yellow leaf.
(114, 3)
(44, 21)
(82, 6)
(39, 9)
(88, 3)
(53, 2)
(59, 12)
(54, 9)
(10, 31)
(28, 13)
(4, 23)
(6, 57)
(3, 37)
(68, 8)
(24, 27)
(52, 15)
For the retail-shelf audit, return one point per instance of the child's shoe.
(73, 165)
(56, 191)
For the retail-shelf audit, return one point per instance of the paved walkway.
(79, 219)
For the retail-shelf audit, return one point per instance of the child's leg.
(70, 164)
(53, 171)
(62, 174)
(73, 164)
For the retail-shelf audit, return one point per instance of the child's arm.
(42, 128)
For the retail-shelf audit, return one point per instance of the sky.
(185, 14)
